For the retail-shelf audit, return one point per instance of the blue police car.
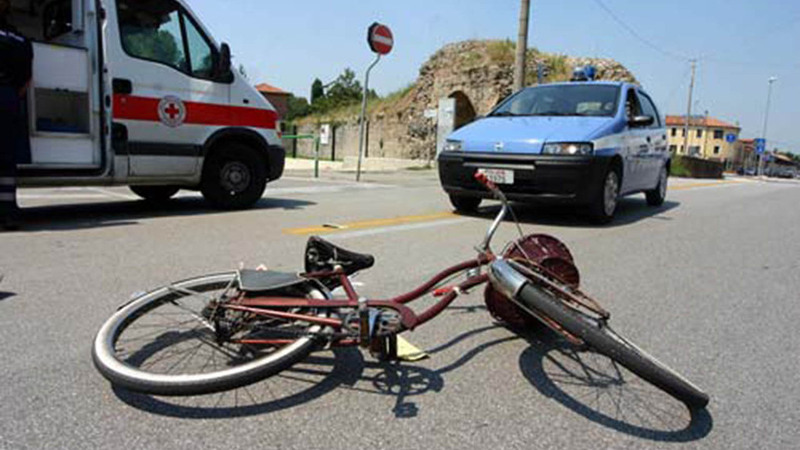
(583, 142)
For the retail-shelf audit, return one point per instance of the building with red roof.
(277, 97)
(709, 138)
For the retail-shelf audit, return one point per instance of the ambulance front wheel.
(234, 176)
(155, 194)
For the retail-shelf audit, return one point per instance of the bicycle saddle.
(323, 256)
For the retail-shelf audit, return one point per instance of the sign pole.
(381, 42)
(362, 122)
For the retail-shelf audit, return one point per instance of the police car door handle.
(122, 86)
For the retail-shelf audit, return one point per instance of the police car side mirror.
(224, 73)
(641, 121)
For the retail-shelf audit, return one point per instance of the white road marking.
(334, 181)
(113, 194)
(396, 229)
(62, 196)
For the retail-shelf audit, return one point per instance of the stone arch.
(465, 111)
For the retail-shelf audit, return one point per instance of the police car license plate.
(499, 176)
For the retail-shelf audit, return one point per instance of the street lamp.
(766, 121)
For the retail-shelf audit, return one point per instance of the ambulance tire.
(155, 194)
(234, 176)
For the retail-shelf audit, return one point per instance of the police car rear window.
(562, 100)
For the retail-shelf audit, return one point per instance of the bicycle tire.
(609, 343)
(122, 373)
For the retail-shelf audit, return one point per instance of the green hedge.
(688, 167)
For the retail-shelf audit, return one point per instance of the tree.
(344, 91)
(317, 91)
(298, 107)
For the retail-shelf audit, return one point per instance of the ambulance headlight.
(453, 146)
(568, 149)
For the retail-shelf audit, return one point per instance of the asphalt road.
(708, 283)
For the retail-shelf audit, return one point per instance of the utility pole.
(766, 121)
(522, 46)
(689, 109)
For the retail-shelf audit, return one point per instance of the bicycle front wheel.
(605, 340)
(168, 342)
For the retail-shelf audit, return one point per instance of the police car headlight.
(452, 146)
(568, 149)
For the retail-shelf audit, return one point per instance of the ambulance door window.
(152, 31)
(201, 55)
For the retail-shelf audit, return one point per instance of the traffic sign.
(380, 39)
(730, 138)
(761, 146)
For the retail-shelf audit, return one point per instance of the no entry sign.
(380, 39)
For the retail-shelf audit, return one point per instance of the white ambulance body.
(137, 93)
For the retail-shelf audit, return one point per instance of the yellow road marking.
(375, 223)
(684, 187)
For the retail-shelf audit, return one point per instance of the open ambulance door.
(64, 106)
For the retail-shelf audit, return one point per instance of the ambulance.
(137, 93)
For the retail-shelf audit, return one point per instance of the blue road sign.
(761, 146)
(731, 138)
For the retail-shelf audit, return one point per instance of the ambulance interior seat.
(50, 21)
(46, 21)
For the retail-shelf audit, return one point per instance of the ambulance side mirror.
(225, 74)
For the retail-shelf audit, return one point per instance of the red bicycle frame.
(275, 307)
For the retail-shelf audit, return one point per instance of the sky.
(739, 45)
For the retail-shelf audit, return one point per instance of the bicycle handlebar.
(492, 187)
(486, 182)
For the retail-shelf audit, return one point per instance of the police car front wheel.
(606, 198)
(234, 177)
(465, 204)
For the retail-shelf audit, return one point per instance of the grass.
(559, 69)
(501, 52)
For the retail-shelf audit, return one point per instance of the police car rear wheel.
(155, 193)
(234, 177)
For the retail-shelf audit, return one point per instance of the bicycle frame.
(267, 306)
(263, 306)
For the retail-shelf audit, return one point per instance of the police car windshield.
(591, 100)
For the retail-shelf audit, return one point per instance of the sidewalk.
(350, 164)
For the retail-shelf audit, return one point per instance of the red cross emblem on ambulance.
(171, 111)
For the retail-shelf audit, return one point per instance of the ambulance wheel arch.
(237, 165)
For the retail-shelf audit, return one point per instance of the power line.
(762, 64)
(635, 34)
(711, 59)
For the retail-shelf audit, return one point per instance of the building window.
(672, 148)
(716, 149)
(683, 132)
(694, 150)
(674, 132)
(699, 133)
(719, 134)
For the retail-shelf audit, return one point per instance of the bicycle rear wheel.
(605, 340)
(167, 342)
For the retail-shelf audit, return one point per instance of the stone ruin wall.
(466, 70)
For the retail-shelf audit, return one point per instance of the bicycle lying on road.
(219, 332)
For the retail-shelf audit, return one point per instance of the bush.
(501, 52)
